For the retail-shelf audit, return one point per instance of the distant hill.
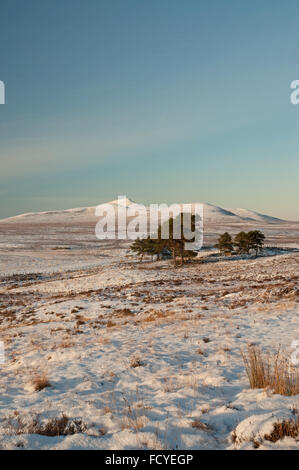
(212, 215)
(252, 215)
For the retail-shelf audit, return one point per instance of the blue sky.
(160, 100)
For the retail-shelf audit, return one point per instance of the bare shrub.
(276, 372)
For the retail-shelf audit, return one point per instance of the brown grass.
(273, 372)
(287, 428)
(200, 351)
(135, 414)
(107, 410)
(40, 382)
(136, 362)
(199, 425)
(104, 340)
(206, 340)
(66, 343)
(123, 312)
(170, 385)
(58, 426)
(155, 315)
(102, 431)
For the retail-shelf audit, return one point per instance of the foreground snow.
(146, 356)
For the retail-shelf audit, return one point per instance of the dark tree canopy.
(225, 243)
(157, 246)
(243, 242)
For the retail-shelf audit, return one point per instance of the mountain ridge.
(212, 213)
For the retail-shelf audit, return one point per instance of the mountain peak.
(122, 201)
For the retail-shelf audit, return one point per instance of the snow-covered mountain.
(212, 215)
(216, 214)
(253, 215)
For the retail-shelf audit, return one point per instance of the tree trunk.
(174, 256)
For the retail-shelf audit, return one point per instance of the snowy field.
(143, 355)
(104, 352)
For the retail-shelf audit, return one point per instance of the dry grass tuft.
(136, 362)
(156, 316)
(288, 428)
(276, 373)
(135, 415)
(170, 384)
(107, 410)
(102, 431)
(104, 340)
(136, 423)
(65, 343)
(123, 312)
(59, 426)
(40, 382)
(199, 425)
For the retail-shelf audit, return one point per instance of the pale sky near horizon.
(158, 100)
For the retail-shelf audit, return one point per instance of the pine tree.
(256, 240)
(241, 241)
(225, 243)
(176, 245)
(253, 240)
(157, 245)
(146, 246)
(138, 247)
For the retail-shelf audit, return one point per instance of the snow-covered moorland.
(128, 355)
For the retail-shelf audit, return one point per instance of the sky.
(159, 100)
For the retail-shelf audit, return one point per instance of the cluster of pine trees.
(159, 247)
(242, 243)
